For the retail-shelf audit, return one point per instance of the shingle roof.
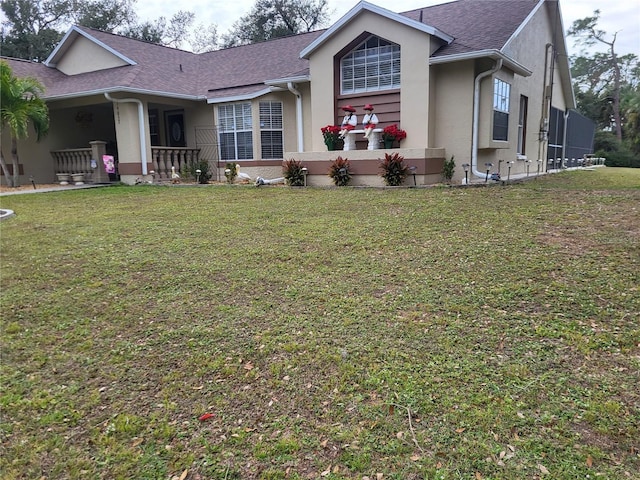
(474, 24)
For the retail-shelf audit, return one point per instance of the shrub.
(230, 171)
(448, 169)
(293, 173)
(394, 170)
(339, 172)
(205, 171)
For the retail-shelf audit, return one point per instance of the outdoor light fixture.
(509, 169)
(413, 169)
(528, 165)
(466, 173)
(539, 166)
(488, 165)
(305, 172)
(500, 166)
(198, 172)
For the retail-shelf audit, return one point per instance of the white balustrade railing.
(72, 160)
(163, 158)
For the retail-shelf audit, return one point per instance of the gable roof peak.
(363, 5)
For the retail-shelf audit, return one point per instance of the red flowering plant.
(331, 134)
(392, 132)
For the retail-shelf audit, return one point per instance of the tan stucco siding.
(85, 56)
(451, 109)
(414, 71)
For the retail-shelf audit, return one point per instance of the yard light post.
(413, 169)
(466, 173)
(528, 165)
(500, 166)
(539, 167)
(305, 172)
(488, 165)
(510, 163)
(198, 172)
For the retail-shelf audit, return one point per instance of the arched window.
(372, 66)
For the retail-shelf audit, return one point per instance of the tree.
(105, 15)
(158, 31)
(601, 73)
(33, 28)
(20, 107)
(30, 30)
(277, 18)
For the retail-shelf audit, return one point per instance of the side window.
(501, 92)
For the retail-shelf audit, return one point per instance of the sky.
(622, 16)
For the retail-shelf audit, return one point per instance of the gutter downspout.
(143, 138)
(476, 117)
(300, 127)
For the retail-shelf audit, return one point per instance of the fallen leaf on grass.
(543, 469)
(326, 472)
(589, 461)
(248, 366)
(460, 430)
(184, 474)
(478, 476)
(205, 416)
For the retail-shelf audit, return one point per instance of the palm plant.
(20, 106)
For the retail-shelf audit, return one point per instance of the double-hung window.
(522, 125)
(501, 92)
(271, 129)
(235, 127)
(372, 66)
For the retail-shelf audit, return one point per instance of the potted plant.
(293, 172)
(391, 134)
(339, 172)
(394, 170)
(331, 134)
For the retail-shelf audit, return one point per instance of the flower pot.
(331, 145)
(63, 178)
(388, 143)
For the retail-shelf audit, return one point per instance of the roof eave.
(128, 90)
(245, 96)
(493, 54)
(285, 80)
(71, 35)
(363, 5)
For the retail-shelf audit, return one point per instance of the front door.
(175, 129)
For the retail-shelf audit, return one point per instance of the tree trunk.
(15, 182)
(616, 93)
(5, 170)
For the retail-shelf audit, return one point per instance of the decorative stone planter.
(78, 178)
(63, 178)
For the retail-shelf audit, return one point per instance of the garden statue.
(370, 120)
(349, 121)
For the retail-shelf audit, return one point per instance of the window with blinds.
(235, 130)
(501, 92)
(372, 66)
(271, 135)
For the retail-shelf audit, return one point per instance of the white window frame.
(271, 130)
(235, 131)
(501, 94)
(372, 66)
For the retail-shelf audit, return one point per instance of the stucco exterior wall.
(451, 109)
(414, 71)
(85, 56)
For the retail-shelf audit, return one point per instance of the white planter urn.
(63, 178)
(78, 178)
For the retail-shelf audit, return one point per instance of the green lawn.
(436, 333)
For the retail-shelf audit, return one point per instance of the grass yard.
(345, 333)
